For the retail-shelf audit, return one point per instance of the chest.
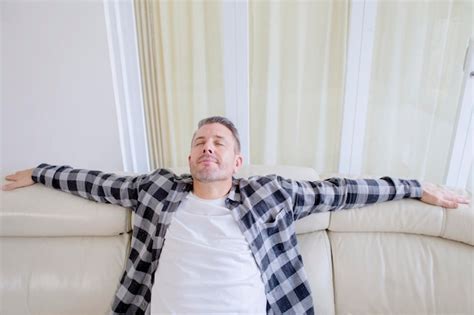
(267, 229)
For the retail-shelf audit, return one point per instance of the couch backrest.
(400, 255)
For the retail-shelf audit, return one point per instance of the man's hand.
(19, 179)
(439, 196)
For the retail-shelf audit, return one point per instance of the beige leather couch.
(61, 254)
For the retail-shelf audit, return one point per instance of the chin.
(209, 176)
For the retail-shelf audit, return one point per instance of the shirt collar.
(234, 193)
(184, 179)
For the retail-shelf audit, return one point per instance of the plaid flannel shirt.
(265, 208)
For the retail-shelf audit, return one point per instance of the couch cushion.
(397, 273)
(56, 275)
(40, 211)
(313, 223)
(408, 216)
(316, 252)
(459, 223)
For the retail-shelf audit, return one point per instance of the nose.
(207, 151)
(207, 148)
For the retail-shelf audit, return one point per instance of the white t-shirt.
(206, 265)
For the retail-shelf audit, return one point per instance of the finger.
(457, 198)
(10, 177)
(449, 204)
(463, 200)
(7, 187)
(450, 197)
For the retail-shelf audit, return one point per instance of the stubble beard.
(208, 175)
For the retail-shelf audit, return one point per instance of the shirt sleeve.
(342, 193)
(90, 184)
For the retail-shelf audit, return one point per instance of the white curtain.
(415, 86)
(180, 47)
(297, 54)
(297, 66)
(298, 58)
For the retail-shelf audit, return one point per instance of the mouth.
(207, 160)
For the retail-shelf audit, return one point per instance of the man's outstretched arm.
(93, 185)
(343, 193)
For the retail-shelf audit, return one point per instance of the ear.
(189, 163)
(239, 160)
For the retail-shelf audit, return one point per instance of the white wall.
(57, 102)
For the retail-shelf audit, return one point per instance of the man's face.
(213, 154)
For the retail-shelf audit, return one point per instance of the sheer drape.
(180, 47)
(297, 68)
(415, 86)
(297, 65)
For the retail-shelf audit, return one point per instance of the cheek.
(192, 158)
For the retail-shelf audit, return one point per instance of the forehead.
(213, 130)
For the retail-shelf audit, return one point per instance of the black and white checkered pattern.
(265, 208)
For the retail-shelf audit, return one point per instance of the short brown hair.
(226, 123)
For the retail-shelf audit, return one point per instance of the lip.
(207, 160)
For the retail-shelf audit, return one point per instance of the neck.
(211, 190)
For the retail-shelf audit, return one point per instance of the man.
(230, 243)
